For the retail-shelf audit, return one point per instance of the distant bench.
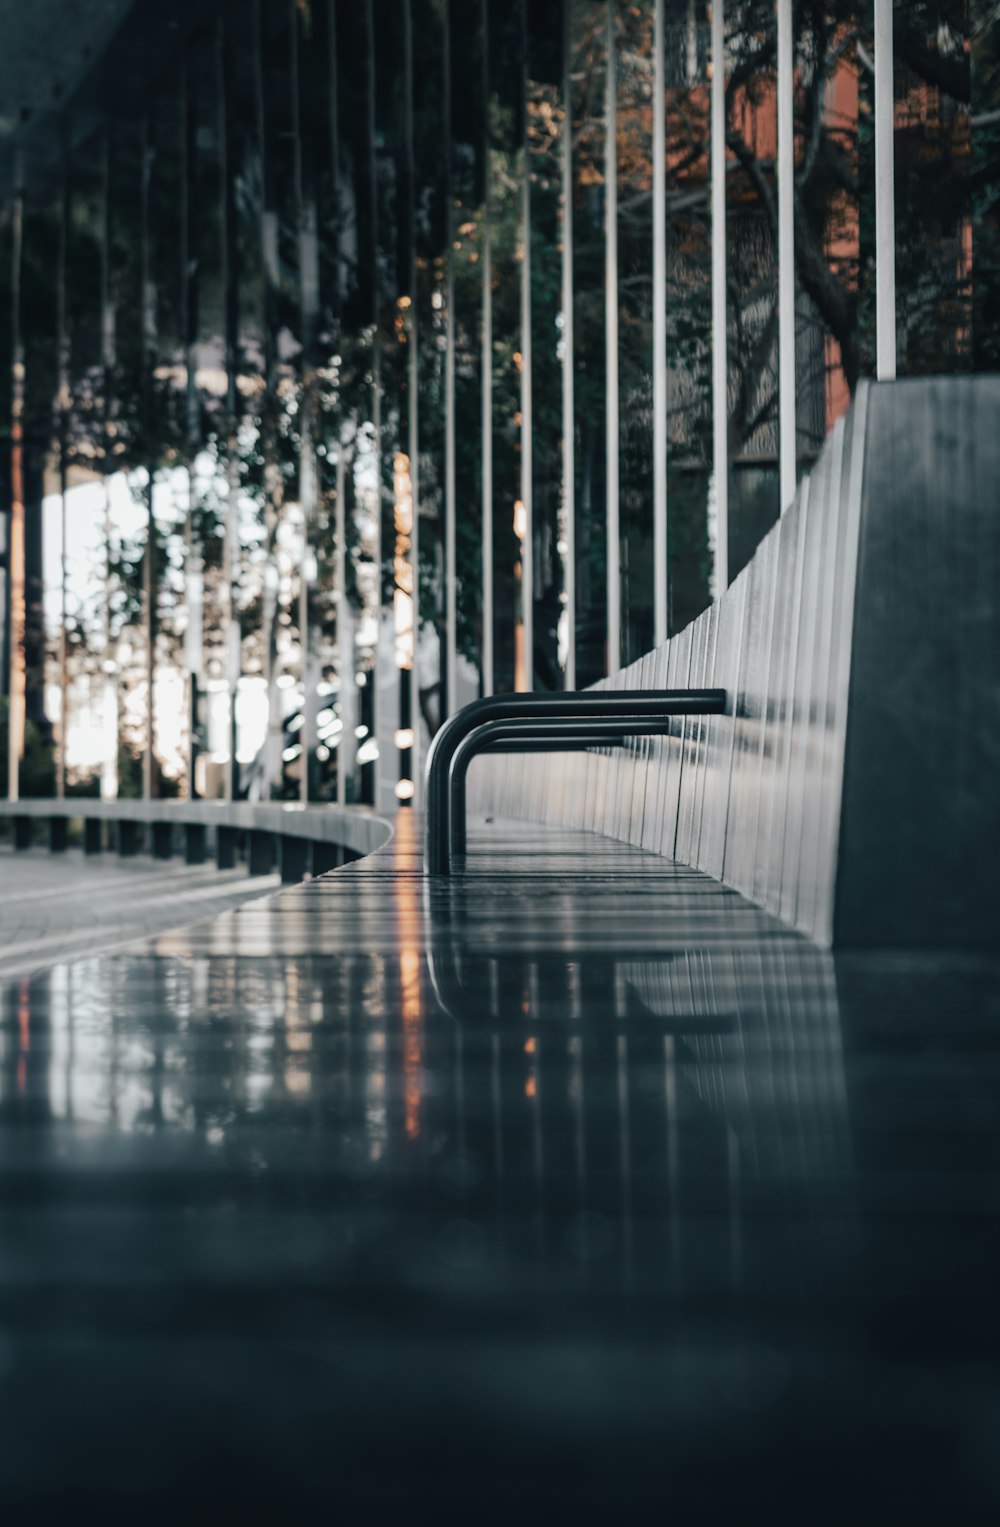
(301, 840)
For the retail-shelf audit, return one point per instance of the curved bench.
(303, 839)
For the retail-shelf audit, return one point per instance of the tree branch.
(951, 75)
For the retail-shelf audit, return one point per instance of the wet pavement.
(57, 907)
(572, 1183)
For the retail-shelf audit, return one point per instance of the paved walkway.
(55, 907)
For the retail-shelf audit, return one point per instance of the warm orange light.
(408, 939)
(18, 603)
(520, 666)
(402, 566)
(24, 1034)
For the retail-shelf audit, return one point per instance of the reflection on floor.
(57, 907)
(575, 1182)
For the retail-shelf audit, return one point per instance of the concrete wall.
(920, 825)
(851, 786)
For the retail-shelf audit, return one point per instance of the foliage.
(243, 367)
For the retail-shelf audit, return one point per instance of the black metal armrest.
(591, 717)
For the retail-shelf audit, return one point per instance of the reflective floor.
(574, 1183)
(57, 907)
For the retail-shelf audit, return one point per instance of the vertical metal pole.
(273, 482)
(230, 287)
(308, 274)
(376, 389)
(109, 771)
(307, 505)
(17, 698)
(661, 613)
(786, 255)
(885, 197)
(413, 405)
(148, 309)
(450, 616)
(487, 363)
(568, 400)
(720, 403)
(345, 654)
(188, 338)
(333, 103)
(527, 456)
(62, 411)
(611, 346)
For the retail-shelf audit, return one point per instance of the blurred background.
(356, 355)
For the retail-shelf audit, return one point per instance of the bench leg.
(128, 839)
(225, 848)
(23, 832)
(260, 852)
(326, 857)
(93, 835)
(58, 827)
(293, 858)
(194, 843)
(163, 840)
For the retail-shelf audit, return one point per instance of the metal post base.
(293, 858)
(194, 843)
(260, 852)
(226, 839)
(326, 857)
(163, 840)
(128, 839)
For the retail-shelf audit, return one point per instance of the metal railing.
(543, 723)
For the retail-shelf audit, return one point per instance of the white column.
(345, 624)
(61, 411)
(450, 568)
(17, 677)
(487, 366)
(109, 763)
(720, 403)
(527, 459)
(786, 255)
(885, 200)
(611, 349)
(660, 607)
(568, 402)
(375, 675)
(413, 412)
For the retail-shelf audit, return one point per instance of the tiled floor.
(571, 1186)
